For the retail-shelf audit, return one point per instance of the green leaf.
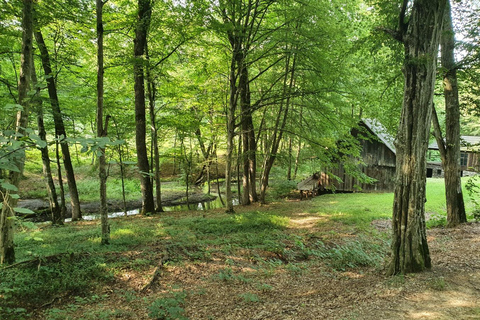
(9, 186)
(23, 210)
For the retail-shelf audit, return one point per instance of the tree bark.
(7, 251)
(63, 203)
(248, 137)
(230, 113)
(453, 183)
(101, 127)
(421, 38)
(60, 132)
(152, 93)
(143, 22)
(56, 214)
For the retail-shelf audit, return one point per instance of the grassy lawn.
(69, 264)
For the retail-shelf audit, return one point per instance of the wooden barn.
(378, 154)
(469, 157)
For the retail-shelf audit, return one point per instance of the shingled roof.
(381, 132)
(467, 143)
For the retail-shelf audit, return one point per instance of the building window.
(463, 159)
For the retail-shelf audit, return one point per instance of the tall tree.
(56, 213)
(101, 127)
(450, 146)
(60, 132)
(420, 35)
(281, 119)
(243, 22)
(143, 22)
(7, 251)
(152, 94)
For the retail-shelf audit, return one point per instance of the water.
(201, 206)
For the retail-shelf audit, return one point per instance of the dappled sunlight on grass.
(121, 232)
(307, 222)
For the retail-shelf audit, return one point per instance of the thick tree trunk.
(248, 137)
(453, 183)
(231, 123)
(7, 251)
(143, 22)
(101, 127)
(421, 39)
(60, 132)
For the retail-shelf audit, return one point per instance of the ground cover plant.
(321, 258)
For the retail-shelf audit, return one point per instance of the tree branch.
(437, 133)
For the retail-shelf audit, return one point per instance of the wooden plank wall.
(384, 175)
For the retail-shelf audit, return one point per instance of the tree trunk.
(152, 92)
(230, 112)
(7, 251)
(63, 203)
(421, 38)
(143, 22)
(453, 183)
(60, 132)
(289, 170)
(248, 137)
(122, 167)
(57, 217)
(101, 128)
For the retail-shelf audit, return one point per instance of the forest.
(192, 122)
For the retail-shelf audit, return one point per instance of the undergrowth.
(70, 262)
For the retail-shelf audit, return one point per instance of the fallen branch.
(156, 275)
(39, 260)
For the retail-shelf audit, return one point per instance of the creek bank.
(40, 207)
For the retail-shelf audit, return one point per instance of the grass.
(71, 262)
(249, 247)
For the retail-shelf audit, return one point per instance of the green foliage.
(169, 307)
(263, 287)
(54, 276)
(359, 253)
(88, 189)
(282, 188)
(249, 297)
(473, 188)
(436, 220)
(227, 275)
(249, 222)
(438, 284)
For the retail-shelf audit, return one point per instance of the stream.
(201, 206)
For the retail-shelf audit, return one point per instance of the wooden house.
(378, 155)
(469, 157)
